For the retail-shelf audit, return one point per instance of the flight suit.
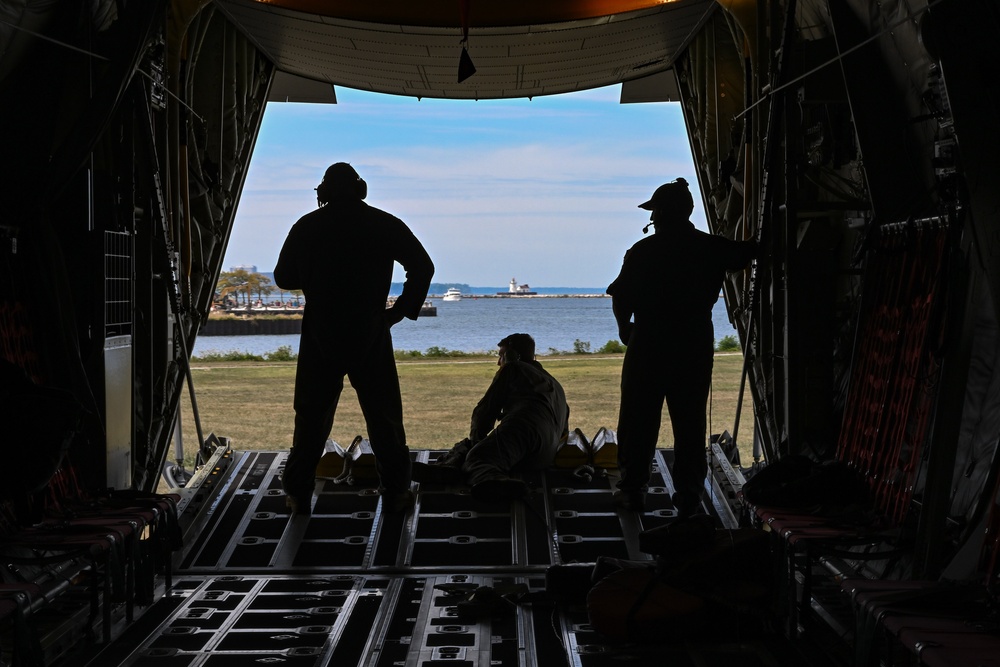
(534, 420)
(341, 256)
(669, 283)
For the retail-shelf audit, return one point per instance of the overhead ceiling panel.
(449, 13)
(290, 88)
(510, 60)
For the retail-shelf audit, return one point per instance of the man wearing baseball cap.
(662, 300)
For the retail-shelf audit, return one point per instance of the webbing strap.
(893, 380)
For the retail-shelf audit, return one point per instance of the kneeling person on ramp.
(533, 417)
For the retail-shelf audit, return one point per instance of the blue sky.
(543, 190)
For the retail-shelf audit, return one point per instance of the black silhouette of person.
(662, 301)
(342, 256)
(530, 406)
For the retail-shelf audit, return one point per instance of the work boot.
(686, 504)
(394, 501)
(299, 504)
(630, 501)
(500, 489)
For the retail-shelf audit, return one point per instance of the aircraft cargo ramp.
(352, 585)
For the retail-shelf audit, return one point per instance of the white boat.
(453, 294)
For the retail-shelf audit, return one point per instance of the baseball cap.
(670, 195)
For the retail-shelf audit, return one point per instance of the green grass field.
(251, 402)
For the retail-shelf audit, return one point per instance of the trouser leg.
(316, 399)
(498, 454)
(638, 423)
(377, 384)
(687, 397)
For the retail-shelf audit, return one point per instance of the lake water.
(476, 324)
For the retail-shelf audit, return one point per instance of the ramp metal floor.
(353, 585)
(564, 519)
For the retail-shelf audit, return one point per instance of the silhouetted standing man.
(341, 256)
(662, 301)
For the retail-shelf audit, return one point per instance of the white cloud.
(545, 192)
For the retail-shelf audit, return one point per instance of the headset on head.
(347, 184)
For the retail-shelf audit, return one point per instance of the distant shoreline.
(439, 288)
(272, 321)
(525, 296)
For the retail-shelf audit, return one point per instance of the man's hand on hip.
(393, 316)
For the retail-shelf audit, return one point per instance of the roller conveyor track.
(246, 527)
(351, 585)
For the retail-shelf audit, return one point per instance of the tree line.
(238, 287)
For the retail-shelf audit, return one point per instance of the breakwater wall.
(512, 295)
(250, 326)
